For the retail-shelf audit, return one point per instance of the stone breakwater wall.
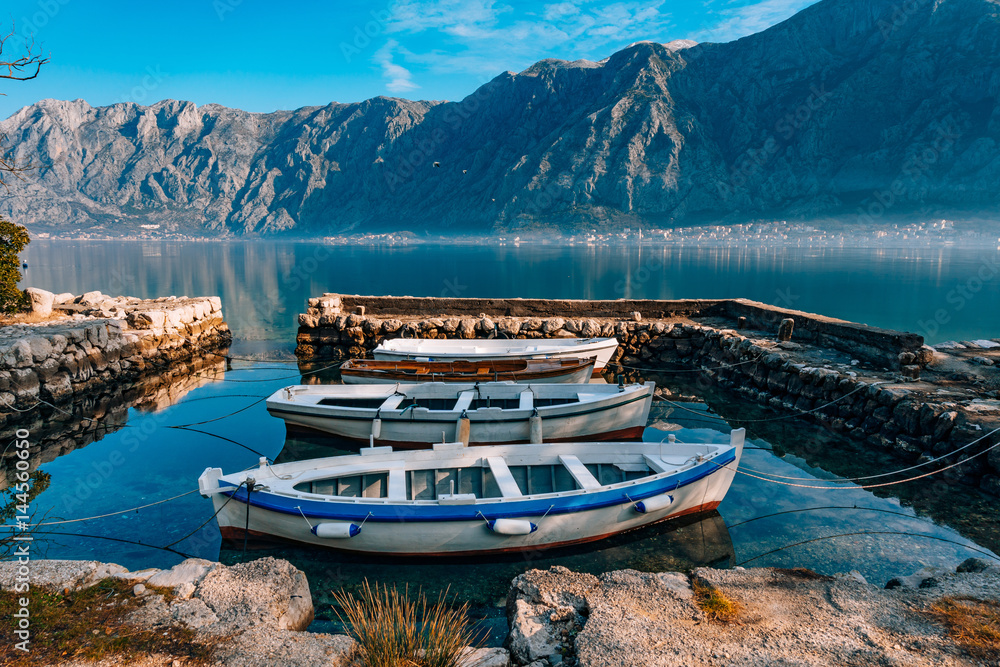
(519, 318)
(101, 340)
(913, 420)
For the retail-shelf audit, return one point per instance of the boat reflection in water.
(677, 545)
(87, 418)
(671, 546)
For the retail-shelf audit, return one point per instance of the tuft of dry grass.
(30, 318)
(393, 630)
(88, 625)
(716, 605)
(973, 624)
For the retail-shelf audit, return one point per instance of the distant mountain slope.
(851, 107)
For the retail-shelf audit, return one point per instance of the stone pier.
(99, 342)
(882, 387)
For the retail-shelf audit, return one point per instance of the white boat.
(458, 500)
(523, 371)
(426, 349)
(417, 415)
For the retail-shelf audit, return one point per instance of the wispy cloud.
(486, 37)
(748, 19)
(398, 78)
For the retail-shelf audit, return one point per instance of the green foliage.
(13, 239)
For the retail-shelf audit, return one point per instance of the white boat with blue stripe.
(460, 500)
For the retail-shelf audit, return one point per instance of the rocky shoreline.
(256, 613)
(884, 388)
(92, 342)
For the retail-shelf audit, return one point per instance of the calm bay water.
(145, 457)
(264, 285)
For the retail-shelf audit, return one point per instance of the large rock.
(267, 590)
(190, 571)
(58, 574)
(90, 298)
(40, 301)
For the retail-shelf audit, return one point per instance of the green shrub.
(13, 239)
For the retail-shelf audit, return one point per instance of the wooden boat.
(457, 500)
(368, 371)
(417, 415)
(424, 349)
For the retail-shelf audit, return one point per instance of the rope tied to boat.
(870, 486)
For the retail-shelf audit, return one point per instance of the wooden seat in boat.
(657, 464)
(504, 479)
(583, 477)
(396, 484)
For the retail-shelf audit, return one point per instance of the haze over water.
(942, 293)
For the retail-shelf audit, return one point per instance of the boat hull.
(621, 415)
(406, 531)
(237, 533)
(630, 433)
(554, 373)
(600, 350)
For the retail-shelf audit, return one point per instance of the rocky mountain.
(853, 108)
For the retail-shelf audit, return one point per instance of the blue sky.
(263, 56)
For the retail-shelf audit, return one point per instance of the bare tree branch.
(24, 66)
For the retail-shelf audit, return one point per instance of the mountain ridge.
(850, 108)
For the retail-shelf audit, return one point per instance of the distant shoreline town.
(943, 233)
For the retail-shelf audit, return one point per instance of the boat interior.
(485, 368)
(495, 480)
(492, 477)
(452, 397)
(430, 345)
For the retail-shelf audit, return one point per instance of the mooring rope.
(864, 486)
(798, 413)
(870, 532)
(672, 371)
(884, 474)
(102, 516)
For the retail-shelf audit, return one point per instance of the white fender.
(337, 531)
(654, 503)
(377, 428)
(535, 429)
(512, 526)
(463, 429)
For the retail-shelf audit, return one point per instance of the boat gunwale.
(605, 402)
(705, 469)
